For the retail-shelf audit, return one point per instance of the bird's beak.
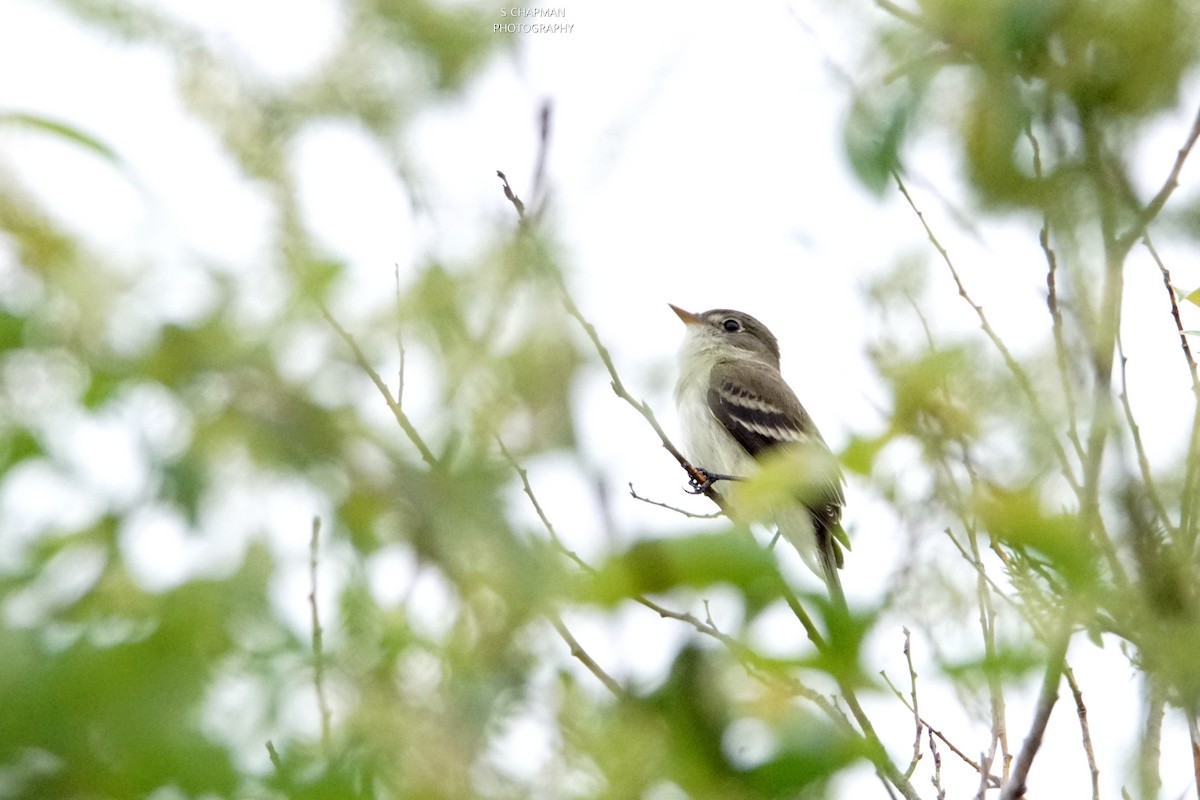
(688, 317)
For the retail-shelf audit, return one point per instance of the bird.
(736, 410)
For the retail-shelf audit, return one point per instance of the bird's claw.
(699, 486)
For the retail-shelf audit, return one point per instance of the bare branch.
(518, 204)
(937, 769)
(1187, 504)
(1194, 736)
(1135, 432)
(537, 507)
(584, 658)
(989, 780)
(1081, 712)
(916, 709)
(1147, 215)
(633, 493)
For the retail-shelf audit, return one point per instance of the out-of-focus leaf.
(453, 39)
(16, 445)
(860, 452)
(1005, 664)
(995, 122)
(696, 562)
(810, 751)
(875, 133)
(63, 130)
(1017, 518)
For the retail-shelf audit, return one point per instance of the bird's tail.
(819, 542)
(830, 557)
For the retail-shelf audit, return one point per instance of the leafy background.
(271, 328)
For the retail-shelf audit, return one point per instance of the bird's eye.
(731, 325)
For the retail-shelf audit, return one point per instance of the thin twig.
(916, 709)
(633, 493)
(985, 762)
(1060, 342)
(937, 769)
(993, 781)
(1135, 433)
(902, 14)
(318, 636)
(584, 658)
(987, 624)
(1147, 215)
(1056, 317)
(1194, 737)
(518, 204)
(1192, 469)
(1014, 787)
(398, 412)
(561, 546)
(1081, 712)
(273, 754)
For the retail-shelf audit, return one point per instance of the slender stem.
(584, 658)
(1191, 480)
(318, 636)
(1150, 750)
(1085, 732)
(405, 424)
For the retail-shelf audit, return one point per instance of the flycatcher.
(736, 409)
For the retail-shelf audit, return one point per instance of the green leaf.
(63, 130)
(696, 562)
(1017, 519)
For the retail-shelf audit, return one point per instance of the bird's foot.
(699, 486)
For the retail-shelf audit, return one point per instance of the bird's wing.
(760, 411)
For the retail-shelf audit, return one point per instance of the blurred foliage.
(1033, 466)
(117, 685)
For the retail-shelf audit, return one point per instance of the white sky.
(696, 159)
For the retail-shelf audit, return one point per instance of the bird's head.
(722, 332)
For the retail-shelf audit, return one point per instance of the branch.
(578, 652)
(902, 14)
(1147, 215)
(1081, 712)
(993, 781)
(1135, 432)
(633, 493)
(318, 636)
(912, 683)
(1192, 470)
(937, 769)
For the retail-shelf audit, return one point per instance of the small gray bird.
(736, 408)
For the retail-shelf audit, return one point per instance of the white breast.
(706, 443)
